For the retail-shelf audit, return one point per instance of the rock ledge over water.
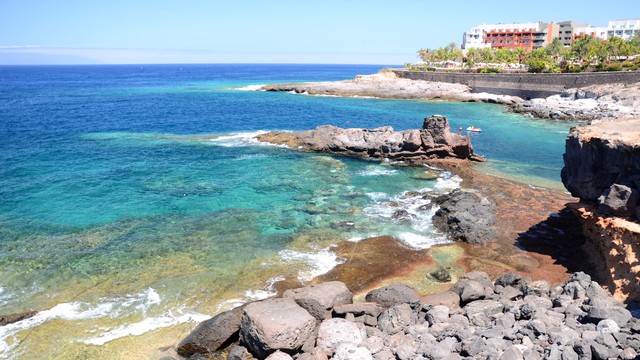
(434, 140)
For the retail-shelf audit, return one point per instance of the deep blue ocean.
(134, 201)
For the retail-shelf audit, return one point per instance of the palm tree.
(555, 48)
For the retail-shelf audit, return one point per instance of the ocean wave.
(144, 326)
(448, 182)
(237, 139)
(376, 171)
(250, 157)
(417, 241)
(121, 307)
(257, 87)
(319, 263)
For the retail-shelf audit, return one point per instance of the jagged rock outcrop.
(602, 168)
(434, 140)
(601, 155)
(593, 102)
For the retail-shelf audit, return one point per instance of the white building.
(592, 31)
(623, 28)
(474, 38)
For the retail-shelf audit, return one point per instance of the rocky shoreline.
(589, 103)
(509, 318)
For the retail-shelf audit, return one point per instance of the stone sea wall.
(526, 86)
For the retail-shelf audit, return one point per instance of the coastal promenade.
(524, 85)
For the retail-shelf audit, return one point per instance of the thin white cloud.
(16, 55)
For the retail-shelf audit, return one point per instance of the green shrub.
(537, 66)
(490, 70)
(612, 67)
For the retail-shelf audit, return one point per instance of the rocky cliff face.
(602, 168)
(434, 140)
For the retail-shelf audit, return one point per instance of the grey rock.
(449, 299)
(628, 354)
(569, 354)
(471, 291)
(479, 312)
(509, 279)
(279, 355)
(213, 334)
(583, 349)
(601, 352)
(320, 299)
(438, 314)
(512, 353)
(393, 294)
(619, 200)
(617, 313)
(405, 352)
(375, 344)
(607, 326)
(510, 293)
(239, 353)
(275, 324)
(396, 318)
(349, 351)
(385, 354)
(368, 308)
(332, 332)
(465, 216)
(538, 288)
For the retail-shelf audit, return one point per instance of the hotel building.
(528, 36)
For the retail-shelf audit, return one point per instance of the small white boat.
(473, 128)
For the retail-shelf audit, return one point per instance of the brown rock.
(213, 334)
(320, 299)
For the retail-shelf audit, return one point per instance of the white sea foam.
(128, 305)
(250, 157)
(319, 263)
(144, 326)
(448, 182)
(73, 311)
(237, 139)
(377, 171)
(257, 87)
(418, 241)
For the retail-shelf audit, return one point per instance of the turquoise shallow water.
(133, 201)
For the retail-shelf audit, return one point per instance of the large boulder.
(333, 332)
(465, 216)
(619, 200)
(393, 294)
(275, 324)
(213, 334)
(319, 300)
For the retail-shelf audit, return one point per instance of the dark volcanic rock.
(213, 334)
(466, 216)
(393, 294)
(12, 318)
(619, 200)
(434, 140)
(593, 163)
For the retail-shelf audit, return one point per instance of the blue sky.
(267, 31)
